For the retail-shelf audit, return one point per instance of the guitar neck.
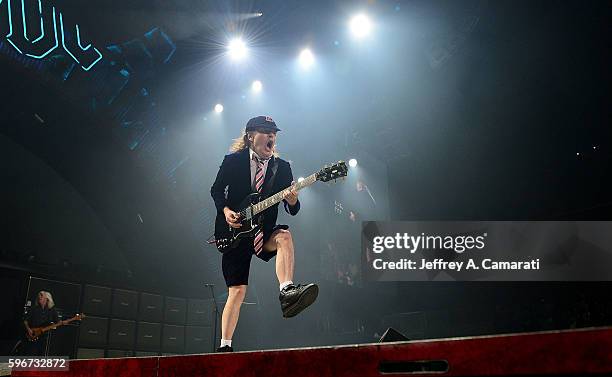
(278, 197)
(55, 325)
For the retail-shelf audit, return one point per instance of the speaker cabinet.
(150, 308)
(90, 353)
(148, 336)
(63, 340)
(125, 304)
(97, 301)
(93, 332)
(175, 310)
(121, 334)
(200, 312)
(173, 339)
(198, 339)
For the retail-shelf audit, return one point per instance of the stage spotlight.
(300, 179)
(306, 58)
(360, 26)
(237, 49)
(352, 162)
(218, 108)
(256, 86)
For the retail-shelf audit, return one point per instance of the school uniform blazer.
(235, 176)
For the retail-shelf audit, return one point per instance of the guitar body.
(226, 237)
(36, 333)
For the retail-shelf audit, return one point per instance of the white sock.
(225, 342)
(283, 285)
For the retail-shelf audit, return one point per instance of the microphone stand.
(17, 347)
(212, 291)
(369, 193)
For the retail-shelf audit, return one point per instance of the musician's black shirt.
(38, 316)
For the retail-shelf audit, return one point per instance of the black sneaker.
(295, 298)
(225, 349)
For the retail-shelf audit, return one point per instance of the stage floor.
(580, 352)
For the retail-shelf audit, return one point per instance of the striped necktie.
(259, 179)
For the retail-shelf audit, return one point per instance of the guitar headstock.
(335, 171)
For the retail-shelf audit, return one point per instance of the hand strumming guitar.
(232, 218)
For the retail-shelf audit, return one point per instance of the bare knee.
(283, 237)
(238, 292)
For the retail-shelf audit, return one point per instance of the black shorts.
(236, 263)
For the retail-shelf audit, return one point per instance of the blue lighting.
(22, 45)
(42, 24)
(79, 40)
(54, 33)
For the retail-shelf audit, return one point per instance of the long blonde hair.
(50, 302)
(242, 142)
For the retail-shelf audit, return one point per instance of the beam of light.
(240, 16)
(352, 162)
(360, 26)
(237, 49)
(256, 86)
(218, 108)
(306, 58)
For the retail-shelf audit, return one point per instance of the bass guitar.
(38, 331)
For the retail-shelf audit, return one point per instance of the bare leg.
(231, 311)
(282, 242)
(297, 297)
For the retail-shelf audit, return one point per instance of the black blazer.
(235, 175)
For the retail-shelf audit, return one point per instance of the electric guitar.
(38, 331)
(251, 208)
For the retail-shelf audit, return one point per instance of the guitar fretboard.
(276, 198)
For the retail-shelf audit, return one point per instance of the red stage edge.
(581, 352)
